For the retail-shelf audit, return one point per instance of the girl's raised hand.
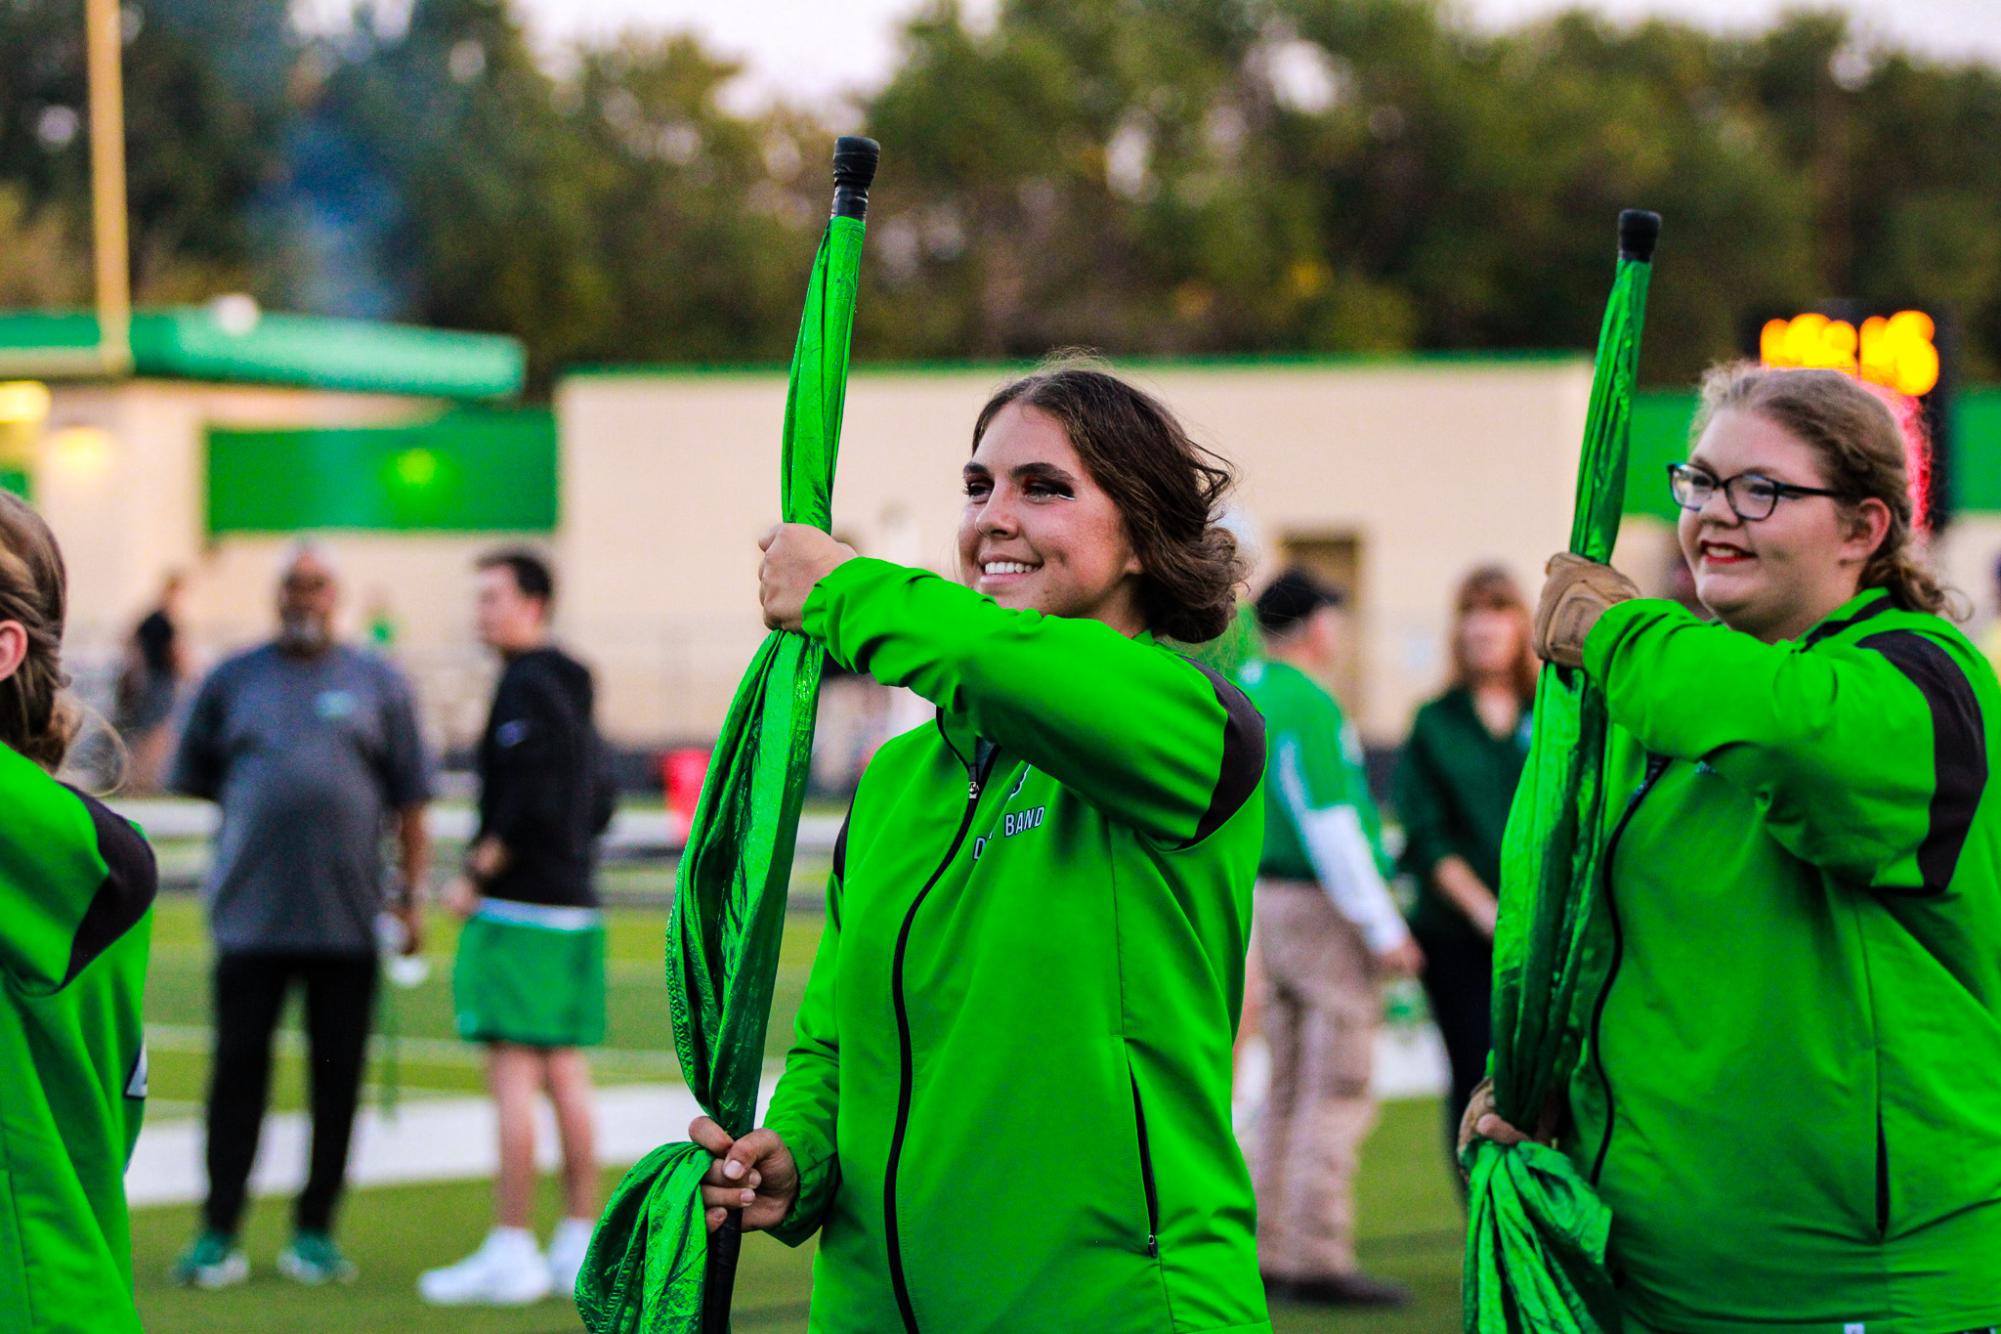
(796, 556)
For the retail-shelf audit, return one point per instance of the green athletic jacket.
(1321, 823)
(76, 891)
(1791, 1088)
(1009, 1091)
(1318, 763)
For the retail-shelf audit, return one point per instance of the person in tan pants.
(1329, 934)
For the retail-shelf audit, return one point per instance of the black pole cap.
(855, 160)
(1639, 230)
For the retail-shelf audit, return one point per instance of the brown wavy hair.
(1861, 449)
(1492, 588)
(37, 717)
(1168, 489)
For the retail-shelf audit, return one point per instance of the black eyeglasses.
(1750, 495)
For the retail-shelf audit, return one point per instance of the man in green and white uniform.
(76, 895)
(1328, 932)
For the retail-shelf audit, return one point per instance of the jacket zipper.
(1146, 1174)
(1882, 1176)
(974, 773)
(1656, 766)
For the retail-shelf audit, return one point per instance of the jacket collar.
(1868, 603)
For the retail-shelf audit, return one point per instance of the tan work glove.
(1573, 598)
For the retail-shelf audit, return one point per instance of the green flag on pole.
(1535, 1243)
(653, 1267)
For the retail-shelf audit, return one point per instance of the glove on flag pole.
(653, 1267)
(1535, 1243)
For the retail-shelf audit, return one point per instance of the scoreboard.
(1901, 348)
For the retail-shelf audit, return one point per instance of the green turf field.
(638, 1047)
(1410, 1231)
(1410, 1217)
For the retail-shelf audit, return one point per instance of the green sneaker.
(213, 1261)
(313, 1259)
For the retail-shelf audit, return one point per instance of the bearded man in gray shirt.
(312, 750)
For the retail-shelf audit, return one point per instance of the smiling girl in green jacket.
(1007, 1106)
(1791, 1087)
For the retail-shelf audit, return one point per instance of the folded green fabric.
(1535, 1246)
(652, 1267)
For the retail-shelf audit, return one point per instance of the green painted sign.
(1661, 419)
(1976, 447)
(469, 471)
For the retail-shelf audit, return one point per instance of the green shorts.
(530, 974)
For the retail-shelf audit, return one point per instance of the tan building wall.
(119, 475)
(1402, 474)
(1417, 470)
(1965, 557)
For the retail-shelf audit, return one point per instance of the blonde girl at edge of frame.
(1790, 1085)
(1007, 1105)
(76, 896)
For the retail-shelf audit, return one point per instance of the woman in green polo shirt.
(1790, 1091)
(1454, 784)
(76, 891)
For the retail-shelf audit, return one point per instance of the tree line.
(1142, 176)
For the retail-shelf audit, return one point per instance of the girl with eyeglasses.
(1790, 1091)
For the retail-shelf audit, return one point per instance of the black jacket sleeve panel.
(1959, 750)
(131, 880)
(1243, 763)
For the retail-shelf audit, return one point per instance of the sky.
(816, 50)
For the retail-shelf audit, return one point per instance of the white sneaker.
(567, 1247)
(507, 1270)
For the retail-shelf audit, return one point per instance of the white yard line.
(442, 1138)
(445, 1139)
(619, 972)
(429, 1051)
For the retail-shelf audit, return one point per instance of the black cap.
(1639, 232)
(1292, 597)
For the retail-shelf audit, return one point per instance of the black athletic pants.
(1459, 982)
(249, 998)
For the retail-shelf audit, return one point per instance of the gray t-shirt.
(309, 758)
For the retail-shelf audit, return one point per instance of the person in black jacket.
(529, 979)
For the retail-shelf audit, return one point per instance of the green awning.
(221, 344)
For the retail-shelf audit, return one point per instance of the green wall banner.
(1976, 449)
(474, 470)
(1661, 418)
